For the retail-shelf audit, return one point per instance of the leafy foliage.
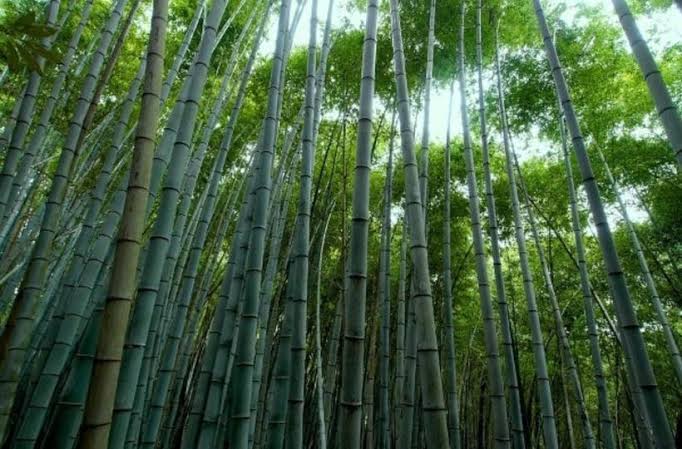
(22, 31)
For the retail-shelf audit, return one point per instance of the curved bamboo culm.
(424, 169)
(544, 389)
(665, 106)
(22, 320)
(432, 398)
(454, 428)
(627, 319)
(323, 389)
(673, 348)
(566, 356)
(352, 372)
(246, 336)
(496, 388)
(606, 434)
(512, 380)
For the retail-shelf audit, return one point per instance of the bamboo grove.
(384, 224)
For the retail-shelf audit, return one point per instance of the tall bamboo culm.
(496, 384)
(352, 365)
(245, 358)
(434, 411)
(454, 429)
(665, 106)
(627, 319)
(512, 379)
(99, 404)
(16, 335)
(549, 428)
(606, 434)
(670, 341)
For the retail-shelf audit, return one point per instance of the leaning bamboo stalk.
(207, 406)
(566, 355)
(100, 400)
(673, 348)
(75, 303)
(400, 336)
(424, 169)
(40, 133)
(187, 285)
(383, 298)
(166, 290)
(266, 306)
(11, 122)
(112, 59)
(606, 433)
(627, 318)
(433, 400)
(148, 288)
(65, 429)
(17, 333)
(658, 90)
(496, 384)
(25, 116)
(542, 374)
(182, 51)
(318, 341)
(512, 376)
